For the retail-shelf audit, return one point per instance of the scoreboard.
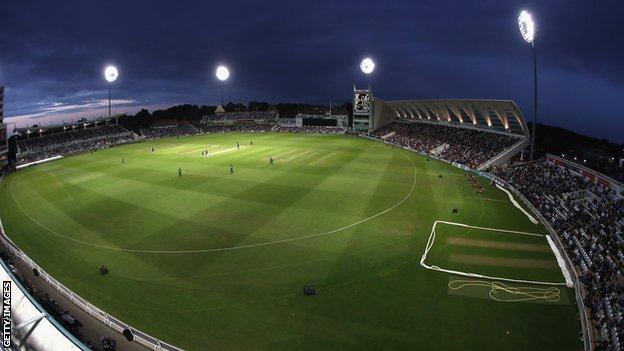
(362, 110)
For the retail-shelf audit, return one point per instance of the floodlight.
(367, 65)
(223, 73)
(111, 74)
(526, 26)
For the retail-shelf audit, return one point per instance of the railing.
(112, 322)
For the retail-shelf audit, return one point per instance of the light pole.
(527, 29)
(110, 74)
(222, 73)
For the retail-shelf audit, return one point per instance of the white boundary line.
(39, 162)
(515, 203)
(561, 262)
(431, 240)
(268, 243)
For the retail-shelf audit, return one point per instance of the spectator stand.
(168, 128)
(64, 141)
(585, 212)
(472, 147)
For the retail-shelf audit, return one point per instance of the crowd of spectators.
(469, 147)
(243, 127)
(176, 130)
(589, 218)
(241, 115)
(71, 141)
(312, 129)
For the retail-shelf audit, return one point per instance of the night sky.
(52, 55)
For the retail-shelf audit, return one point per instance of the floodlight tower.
(222, 73)
(527, 29)
(110, 74)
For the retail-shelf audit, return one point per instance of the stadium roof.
(495, 115)
(83, 122)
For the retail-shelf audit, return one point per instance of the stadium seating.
(224, 128)
(312, 129)
(263, 115)
(469, 147)
(166, 131)
(589, 218)
(71, 141)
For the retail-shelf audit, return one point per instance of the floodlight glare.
(223, 73)
(527, 26)
(367, 66)
(111, 74)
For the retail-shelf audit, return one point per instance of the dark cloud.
(54, 52)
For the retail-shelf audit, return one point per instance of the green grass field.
(213, 261)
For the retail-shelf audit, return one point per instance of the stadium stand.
(312, 129)
(589, 218)
(168, 130)
(241, 115)
(71, 141)
(470, 147)
(224, 128)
